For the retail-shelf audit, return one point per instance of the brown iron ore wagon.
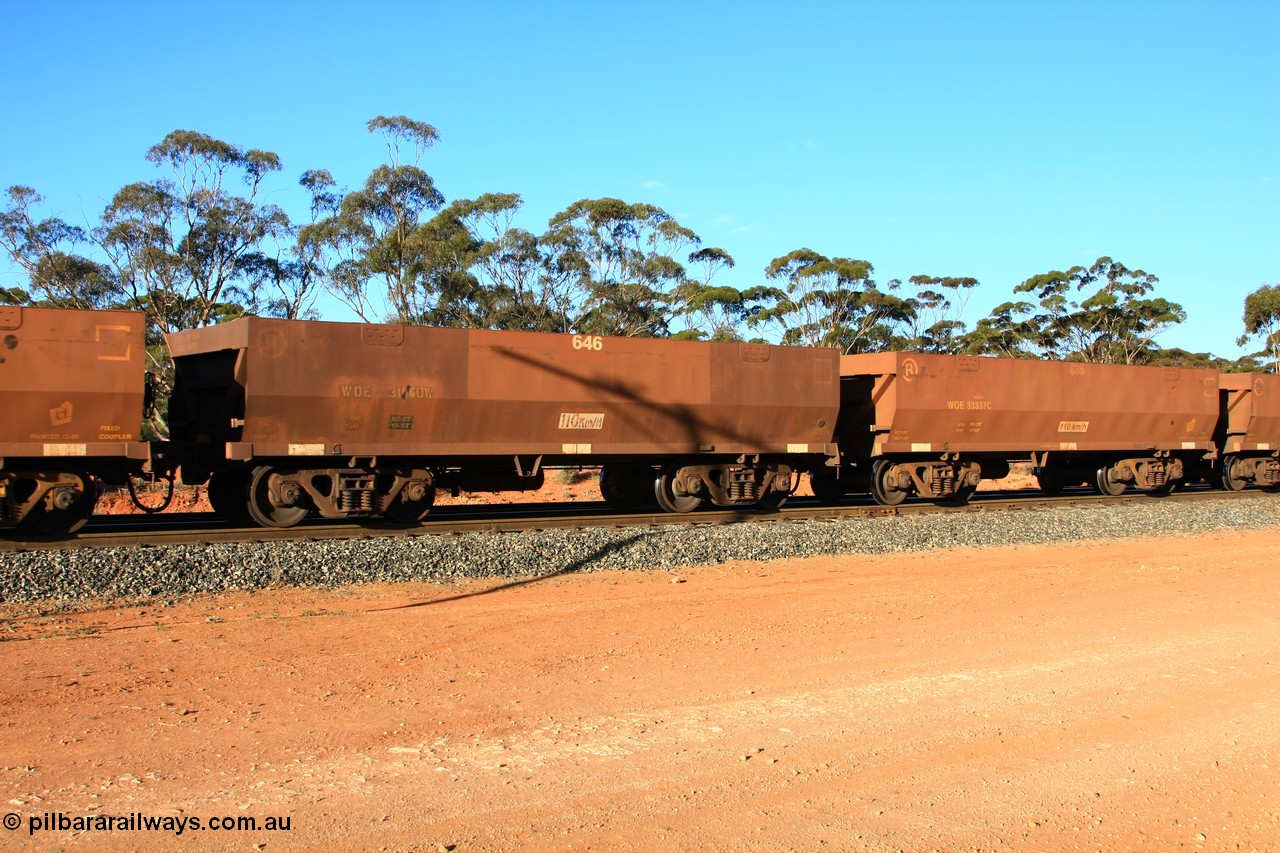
(1250, 430)
(935, 425)
(283, 418)
(72, 386)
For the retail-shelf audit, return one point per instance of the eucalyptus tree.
(287, 279)
(490, 274)
(1006, 332)
(184, 247)
(612, 266)
(187, 249)
(1116, 321)
(48, 253)
(1178, 357)
(367, 247)
(709, 311)
(515, 264)
(1262, 321)
(282, 284)
(830, 302)
(937, 307)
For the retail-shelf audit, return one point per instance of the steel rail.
(205, 528)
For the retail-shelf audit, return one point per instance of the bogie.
(52, 503)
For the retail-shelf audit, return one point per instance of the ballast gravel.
(61, 579)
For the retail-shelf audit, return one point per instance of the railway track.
(113, 531)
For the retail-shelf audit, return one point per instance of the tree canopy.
(1101, 313)
(200, 243)
(1262, 321)
(828, 302)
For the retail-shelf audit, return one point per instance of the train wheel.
(626, 487)
(1051, 483)
(1106, 484)
(263, 505)
(407, 512)
(72, 505)
(825, 484)
(669, 499)
(407, 508)
(1230, 482)
(226, 495)
(609, 488)
(775, 498)
(884, 485)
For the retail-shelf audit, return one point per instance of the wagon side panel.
(930, 404)
(288, 388)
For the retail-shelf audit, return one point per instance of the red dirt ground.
(1098, 696)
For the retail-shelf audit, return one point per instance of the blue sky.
(996, 140)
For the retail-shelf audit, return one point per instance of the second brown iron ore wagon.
(1250, 426)
(282, 417)
(934, 425)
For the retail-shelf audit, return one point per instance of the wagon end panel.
(776, 399)
(73, 382)
(206, 408)
(73, 390)
(1250, 412)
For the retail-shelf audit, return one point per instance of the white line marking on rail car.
(306, 450)
(66, 450)
(582, 420)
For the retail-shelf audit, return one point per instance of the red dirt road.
(1108, 695)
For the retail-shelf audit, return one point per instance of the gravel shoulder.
(1086, 686)
(67, 579)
